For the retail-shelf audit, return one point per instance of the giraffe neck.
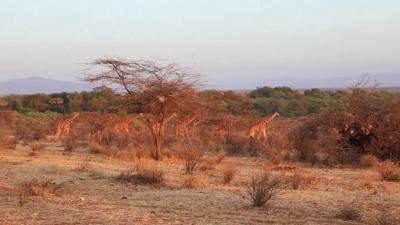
(269, 119)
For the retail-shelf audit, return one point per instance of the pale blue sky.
(237, 44)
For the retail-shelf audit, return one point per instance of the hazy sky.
(237, 44)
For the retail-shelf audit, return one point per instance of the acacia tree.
(159, 91)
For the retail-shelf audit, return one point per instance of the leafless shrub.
(263, 187)
(143, 176)
(192, 159)
(229, 173)
(36, 187)
(348, 212)
(389, 170)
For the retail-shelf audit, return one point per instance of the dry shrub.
(191, 181)
(192, 160)
(229, 173)
(348, 209)
(263, 187)
(36, 187)
(369, 160)
(296, 180)
(314, 144)
(348, 212)
(75, 139)
(143, 176)
(37, 147)
(389, 170)
(368, 123)
(32, 129)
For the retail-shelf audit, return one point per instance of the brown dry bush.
(192, 159)
(30, 129)
(263, 187)
(191, 181)
(143, 176)
(37, 187)
(368, 123)
(229, 173)
(296, 180)
(389, 170)
(348, 212)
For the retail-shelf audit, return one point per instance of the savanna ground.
(162, 152)
(88, 191)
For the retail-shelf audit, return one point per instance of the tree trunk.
(157, 131)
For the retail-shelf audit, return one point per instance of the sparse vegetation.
(383, 218)
(192, 160)
(389, 170)
(144, 176)
(229, 173)
(262, 187)
(191, 181)
(37, 187)
(348, 212)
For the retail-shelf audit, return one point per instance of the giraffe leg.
(264, 135)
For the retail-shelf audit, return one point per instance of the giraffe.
(260, 128)
(182, 128)
(63, 126)
(226, 125)
(122, 126)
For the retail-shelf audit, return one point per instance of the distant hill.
(33, 85)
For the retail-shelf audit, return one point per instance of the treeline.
(262, 101)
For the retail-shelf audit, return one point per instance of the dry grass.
(389, 170)
(383, 218)
(82, 166)
(191, 181)
(367, 161)
(37, 147)
(101, 200)
(348, 210)
(229, 173)
(143, 176)
(263, 187)
(36, 187)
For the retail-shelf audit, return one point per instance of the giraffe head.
(276, 114)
